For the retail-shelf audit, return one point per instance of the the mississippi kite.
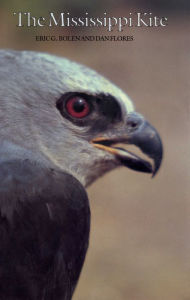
(60, 124)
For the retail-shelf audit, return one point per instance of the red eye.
(77, 107)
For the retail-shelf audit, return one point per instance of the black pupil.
(79, 105)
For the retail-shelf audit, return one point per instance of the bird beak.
(137, 132)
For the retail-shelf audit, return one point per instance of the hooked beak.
(140, 133)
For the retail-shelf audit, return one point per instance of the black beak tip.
(157, 157)
(157, 164)
(149, 141)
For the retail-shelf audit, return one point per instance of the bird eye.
(77, 107)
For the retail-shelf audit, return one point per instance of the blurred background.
(139, 243)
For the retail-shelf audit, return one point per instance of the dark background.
(139, 245)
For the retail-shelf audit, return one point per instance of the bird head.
(70, 117)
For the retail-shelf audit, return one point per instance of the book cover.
(139, 237)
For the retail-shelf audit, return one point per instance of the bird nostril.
(132, 124)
